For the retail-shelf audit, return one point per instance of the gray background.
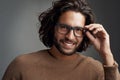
(19, 27)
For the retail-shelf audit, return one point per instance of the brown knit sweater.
(42, 66)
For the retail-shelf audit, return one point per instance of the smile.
(68, 44)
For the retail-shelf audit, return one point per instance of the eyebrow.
(68, 25)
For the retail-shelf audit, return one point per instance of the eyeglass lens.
(65, 29)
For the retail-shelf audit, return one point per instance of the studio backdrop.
(19, 27)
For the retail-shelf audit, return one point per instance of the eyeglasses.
(65, 29)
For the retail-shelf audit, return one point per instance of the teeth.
(69, 44)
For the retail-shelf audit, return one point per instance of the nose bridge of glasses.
(71, 28)
(75, 28)
(70, 34)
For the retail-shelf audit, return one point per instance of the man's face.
(67, 44)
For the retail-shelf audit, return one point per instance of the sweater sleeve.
(111, 72)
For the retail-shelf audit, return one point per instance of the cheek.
(79, 40)
(58, 36)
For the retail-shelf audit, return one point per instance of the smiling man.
(67, 40)
(67, 29)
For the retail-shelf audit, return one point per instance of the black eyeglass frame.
(69, 28)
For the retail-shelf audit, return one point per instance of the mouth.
(68, 44)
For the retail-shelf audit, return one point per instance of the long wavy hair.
(50, 17)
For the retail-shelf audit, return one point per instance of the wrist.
(108, 60)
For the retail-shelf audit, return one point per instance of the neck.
(56, 54)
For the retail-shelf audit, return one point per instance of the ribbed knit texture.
(42, 66)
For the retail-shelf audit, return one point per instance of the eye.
(63, 27)
(78, 29)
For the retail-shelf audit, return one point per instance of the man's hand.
(100, 39)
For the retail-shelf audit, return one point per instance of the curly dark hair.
(50, 17)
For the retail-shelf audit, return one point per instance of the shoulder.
(29, 59)
(23, 63)
(89, 60)
(92, 63)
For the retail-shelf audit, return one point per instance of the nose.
(70, 35)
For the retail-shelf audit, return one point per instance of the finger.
(93, 26)
(99, 29)
(90, 36)
(88, 26)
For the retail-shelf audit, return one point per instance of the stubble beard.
(59, 47)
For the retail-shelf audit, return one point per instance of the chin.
(67, 52)
(63, 50)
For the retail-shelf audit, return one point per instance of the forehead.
(72, 18)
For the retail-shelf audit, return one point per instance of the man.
(67, 28)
